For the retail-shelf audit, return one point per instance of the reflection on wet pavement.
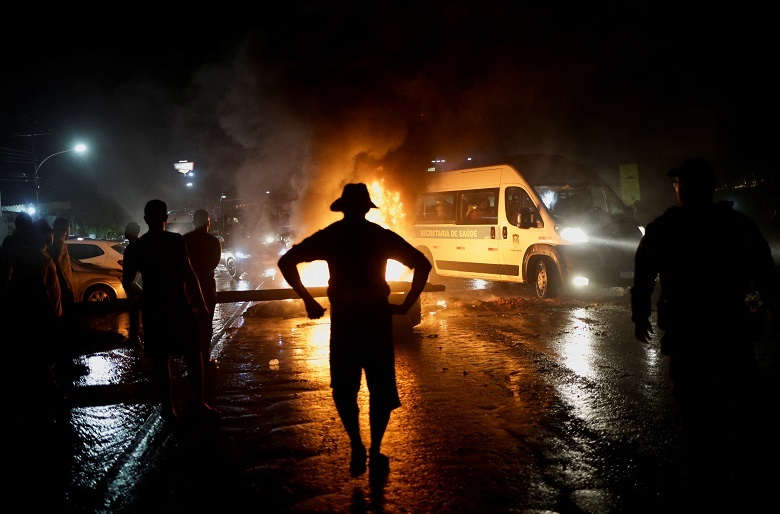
(509, 404)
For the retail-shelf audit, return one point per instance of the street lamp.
(79, 148)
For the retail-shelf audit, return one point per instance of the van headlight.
(579, 281)
(573, 234)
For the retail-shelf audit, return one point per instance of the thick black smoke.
(291, 105)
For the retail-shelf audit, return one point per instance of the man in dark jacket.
(205, 251)
(361, 337)
(709, 259)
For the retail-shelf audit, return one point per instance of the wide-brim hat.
(354, 197)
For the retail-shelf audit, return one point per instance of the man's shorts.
(363, 341)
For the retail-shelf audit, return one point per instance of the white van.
(538, 219)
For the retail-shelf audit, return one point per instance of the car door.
(86, 251)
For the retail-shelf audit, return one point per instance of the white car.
(96, 283)
(107, 253)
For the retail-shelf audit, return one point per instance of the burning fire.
(389, 214)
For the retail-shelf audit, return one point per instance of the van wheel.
(545, 280)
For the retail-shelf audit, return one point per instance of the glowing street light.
(79, 148)
(184, 167)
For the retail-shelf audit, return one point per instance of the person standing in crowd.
(39, 423)
(361, 339)
(58, 251)
(14, 247)
(205, 251)
(172, 307)
(35, 308)
(132, 232)
(708, 259)
(21, 284)
(21, 238)
(43, 268)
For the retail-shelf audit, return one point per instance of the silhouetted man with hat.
(708, 259)
(361, 338)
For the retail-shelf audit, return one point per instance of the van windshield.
(576, 199)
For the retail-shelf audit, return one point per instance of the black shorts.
(363, 341)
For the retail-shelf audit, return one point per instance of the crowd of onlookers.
(36, 298)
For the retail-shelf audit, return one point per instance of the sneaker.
(357, 461)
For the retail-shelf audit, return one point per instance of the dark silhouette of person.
(39, 423)
(361, 340)
(708, 259)
(132, 233)
(205, 252)
(19, 241)
(24, 284)
(39, 269)
(35, 312)
(171, 308)
(16, 246)
(58, 251)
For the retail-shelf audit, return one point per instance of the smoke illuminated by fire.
(389, 214)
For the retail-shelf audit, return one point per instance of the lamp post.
(79, 148)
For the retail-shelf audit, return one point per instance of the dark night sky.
(301, 98)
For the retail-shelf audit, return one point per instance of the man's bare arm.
(289, 268)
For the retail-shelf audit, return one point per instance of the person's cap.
(354, 197)
(694, 169)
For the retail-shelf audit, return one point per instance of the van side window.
(520, 207)
(437, 208)
(479, 207)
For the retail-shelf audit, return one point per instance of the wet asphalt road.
(510, 404)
